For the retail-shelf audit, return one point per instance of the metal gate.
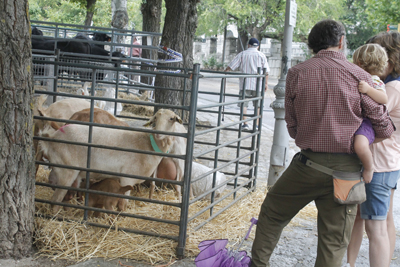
(223, 146)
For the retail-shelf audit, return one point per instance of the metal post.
(281, 137)
(224, 48)
(180, 250)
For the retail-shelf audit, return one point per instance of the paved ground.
(297, 246)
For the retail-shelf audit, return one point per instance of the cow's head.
(164, 120)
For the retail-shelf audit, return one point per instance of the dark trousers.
(298, 186)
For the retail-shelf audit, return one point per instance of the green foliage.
(357, 33)
(365, 18)
(362, 18)
(56, 11)
(267, 16)
(309, 12)
(211, 63)
(205, 63)
(211, 17)
(74, 12)
(220, 66)
(382, 12)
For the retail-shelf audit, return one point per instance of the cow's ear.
(177, 119)
(41, 112)
(150, 122)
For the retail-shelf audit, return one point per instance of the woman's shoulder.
(393, 91)
(395, 84)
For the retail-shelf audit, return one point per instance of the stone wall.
(206, 48)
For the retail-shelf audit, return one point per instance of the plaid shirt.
(248, 61)
(324, 108)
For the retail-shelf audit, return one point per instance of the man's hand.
(363, 87)
(227, 69)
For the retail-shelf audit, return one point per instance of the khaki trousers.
(298, 186)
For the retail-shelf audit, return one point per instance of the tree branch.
(232, 16)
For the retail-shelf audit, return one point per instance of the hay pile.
(128, 109)
(75, 241)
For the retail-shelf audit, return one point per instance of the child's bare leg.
(361, 146)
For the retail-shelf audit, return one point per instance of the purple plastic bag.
(214, 254)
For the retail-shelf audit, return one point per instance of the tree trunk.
(120, 18)
(17, 182)
(244, 38)
(90, 5)
(151, 14)
(178, 34)
(242, 41)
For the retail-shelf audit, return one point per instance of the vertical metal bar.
(184, 95)
(257, 156)
(56, 33)
(239, 135)
(113, 40)
(217, 138)
(224, 48)
(223, 108)
(253, 138)
(55, 82)
(90, 139)
(116, 89)
(180, 250)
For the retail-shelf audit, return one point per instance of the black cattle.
(42, 44)
(101, 37)
(69, 46)
(97, 49)
(74, 46)
(82, 36)
(36, 31)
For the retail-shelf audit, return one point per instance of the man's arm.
(234, 63)
(290, 114)
(376, 113)
(266, 66)
(228, 69)
(379, 117)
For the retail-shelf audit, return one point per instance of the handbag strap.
(306, 161)
(337, 174)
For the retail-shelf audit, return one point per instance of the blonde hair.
(372, 58)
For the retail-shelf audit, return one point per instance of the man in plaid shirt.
(323, 111)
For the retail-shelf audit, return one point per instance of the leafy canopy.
(214, 15)
(74, 12)
(382, 12)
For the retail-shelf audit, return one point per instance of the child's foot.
(367, 175)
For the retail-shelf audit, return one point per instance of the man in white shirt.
(247, 62)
